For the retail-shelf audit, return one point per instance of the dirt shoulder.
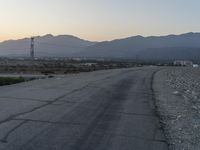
(177, 92)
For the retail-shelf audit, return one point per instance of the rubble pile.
(178, 101)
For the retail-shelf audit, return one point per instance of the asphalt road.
(103, 110)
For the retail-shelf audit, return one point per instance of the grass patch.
(10, 80)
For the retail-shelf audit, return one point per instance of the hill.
(48, 45)
(184, 46)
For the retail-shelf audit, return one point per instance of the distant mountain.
(184, 46)
(48, 45)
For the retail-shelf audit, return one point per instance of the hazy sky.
(97, 19)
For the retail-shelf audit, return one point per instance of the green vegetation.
(10, 80)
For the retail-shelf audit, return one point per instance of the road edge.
(156, 107)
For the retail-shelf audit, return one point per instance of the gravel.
(177, 92)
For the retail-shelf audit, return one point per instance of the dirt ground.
(177, 92)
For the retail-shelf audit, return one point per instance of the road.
(102, 110)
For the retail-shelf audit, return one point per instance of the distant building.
(89, 64)
(186, 63)
(195, 65)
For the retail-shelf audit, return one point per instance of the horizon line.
(119, 38)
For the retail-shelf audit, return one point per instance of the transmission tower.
(32, 48)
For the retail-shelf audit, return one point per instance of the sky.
(97, 20)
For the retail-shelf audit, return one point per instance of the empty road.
(103, 110)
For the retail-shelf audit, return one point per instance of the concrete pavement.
(103, 110)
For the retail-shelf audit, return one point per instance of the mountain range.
(45, 46)
(184, 46)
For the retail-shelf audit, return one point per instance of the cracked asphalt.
(102, 110)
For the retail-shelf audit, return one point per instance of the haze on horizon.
(97, 20)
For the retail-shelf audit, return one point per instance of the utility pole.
(32, 48)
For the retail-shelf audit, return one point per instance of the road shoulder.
(176, 109)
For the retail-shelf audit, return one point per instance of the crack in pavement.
(50, 122)
(41, 106)
(5, 138)
(135, 114)
(13, 117)
(22, 99)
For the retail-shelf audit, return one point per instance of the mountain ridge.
(47, 45)
(138, 45)
(157, 47)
